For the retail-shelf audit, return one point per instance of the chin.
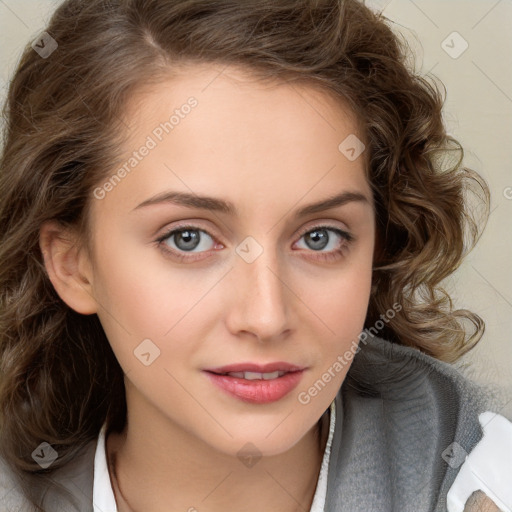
(258, 443)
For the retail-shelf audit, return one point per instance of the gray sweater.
(397, 411)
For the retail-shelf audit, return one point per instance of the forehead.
(243, 137)
(233, 92)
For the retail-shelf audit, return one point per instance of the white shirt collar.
(103, 495)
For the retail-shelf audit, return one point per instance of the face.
(188, 287)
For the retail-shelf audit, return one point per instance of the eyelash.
(329, 256)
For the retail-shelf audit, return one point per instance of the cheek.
(131, 303)
(342, 300)
(137, 287)
(144, 297)
(341, 305)
(341, 309)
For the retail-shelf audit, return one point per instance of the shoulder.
(68, 488)
(409, 421)
(11, 496)
(394, 372)
(483, 481)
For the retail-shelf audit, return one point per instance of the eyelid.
(323, 224)
(182, 227)
(306, 229)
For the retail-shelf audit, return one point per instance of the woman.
(297, 358)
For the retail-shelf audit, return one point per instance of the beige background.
(478, 112)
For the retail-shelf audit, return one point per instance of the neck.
(148, 477)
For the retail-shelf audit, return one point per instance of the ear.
(68, 267)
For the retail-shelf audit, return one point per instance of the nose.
(259, 305)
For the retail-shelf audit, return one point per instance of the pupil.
(190, 239)
(319, 237)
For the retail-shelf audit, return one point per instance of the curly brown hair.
(60, 380)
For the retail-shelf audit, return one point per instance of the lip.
(257, 391)
(254, 367)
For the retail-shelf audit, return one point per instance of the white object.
(488, 467)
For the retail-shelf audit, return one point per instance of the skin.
(269, 149)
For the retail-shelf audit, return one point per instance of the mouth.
(257, 384)
(254, 375)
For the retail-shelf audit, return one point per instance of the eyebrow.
(222, 206)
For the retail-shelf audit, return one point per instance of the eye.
(183, 242)
(185, 239)
(318, 238)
